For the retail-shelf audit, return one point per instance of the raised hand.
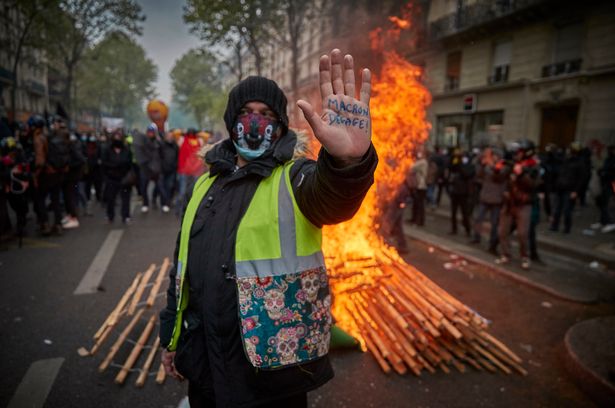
(345, 127)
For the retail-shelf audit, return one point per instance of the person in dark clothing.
(93, 176)
(219, 346)
(147, 150)
(550, 161)
(568, 186)
(72, 178)
(116, 163)
(56, 153)
(461, 173)
(169, 152)
(607, 190)
(442, 162)
(586, 159)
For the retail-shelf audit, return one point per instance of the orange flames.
(399, 126)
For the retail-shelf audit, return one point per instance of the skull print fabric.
(286, 319)
(253, 134)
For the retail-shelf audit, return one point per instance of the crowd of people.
(45, 168)
(511, 187)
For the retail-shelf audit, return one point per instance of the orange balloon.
(158, 112)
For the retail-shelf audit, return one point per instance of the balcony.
(562, 68)
(6, 75)
(500, 75)
(481, 14)
(35, 87)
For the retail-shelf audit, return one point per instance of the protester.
(74, 173)
(431, 180)
(419, 172)
(493, 174)
(236, 347)
(190, 166)
(568, 186)
(93, 176)
(52, 160)
(607, 190)
(461, 173)
(442, 162)
(117, 166)
(524, 177)
(169, 152)
(147, 150)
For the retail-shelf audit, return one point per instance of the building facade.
(509, 69)
(31, 95)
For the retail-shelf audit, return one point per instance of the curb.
(554, 246)
(495, 268)
(591, 382)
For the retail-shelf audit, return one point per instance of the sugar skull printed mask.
(253, 134)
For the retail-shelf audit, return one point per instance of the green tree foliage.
(235, 24)
(115, 78)
(79, 24)
(197, 89)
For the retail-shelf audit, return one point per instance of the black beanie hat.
(255, 88)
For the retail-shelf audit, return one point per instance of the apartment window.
(567, 51)
(568, 42)
(453, 71)
(501, 62)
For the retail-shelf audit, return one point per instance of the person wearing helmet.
(524, 177)
(248, 318)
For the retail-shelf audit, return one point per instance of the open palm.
(344, 128)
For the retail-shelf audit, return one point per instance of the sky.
(165, 38)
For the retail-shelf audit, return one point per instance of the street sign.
(469, 103)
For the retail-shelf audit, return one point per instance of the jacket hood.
(221, 157)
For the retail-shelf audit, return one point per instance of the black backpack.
(58, 153)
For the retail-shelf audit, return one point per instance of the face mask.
(117, 143)
(253, 134)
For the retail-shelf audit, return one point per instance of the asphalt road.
(42, 319)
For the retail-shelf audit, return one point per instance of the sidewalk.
(566, 272)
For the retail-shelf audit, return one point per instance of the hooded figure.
(248, 319)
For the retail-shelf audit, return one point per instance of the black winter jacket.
(210, 350)
(169, 152)
(147, 152)
(115, 165)
(571, 176)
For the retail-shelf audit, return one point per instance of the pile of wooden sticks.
(134, 308)
(407, 322)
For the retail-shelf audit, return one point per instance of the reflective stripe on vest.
(276, 240)
(272, 240)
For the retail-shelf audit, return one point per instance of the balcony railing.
(561, 68)
(36, 87)
(7, 75)
(480, 12)
(500, 74)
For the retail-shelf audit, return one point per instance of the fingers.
(325, 77)
(349, 75)
(366, 86)
(336, 72)
(310, 115)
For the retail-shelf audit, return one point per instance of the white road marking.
(93, 276)
(36, 384)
